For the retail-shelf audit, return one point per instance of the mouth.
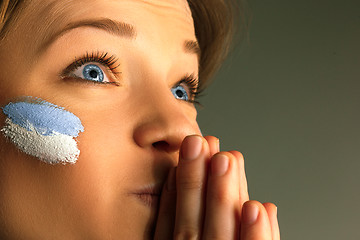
(148, 195)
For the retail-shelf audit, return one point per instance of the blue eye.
(96, 67)
(180, 93)
(91, 72)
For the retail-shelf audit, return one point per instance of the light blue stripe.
(45, 117)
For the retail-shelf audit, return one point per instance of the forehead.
(156, 18)
(50, 7)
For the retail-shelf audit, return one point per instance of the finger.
(272, 213)
(243, 189)
(214, 146)
(222, 198)
(166, 216)
(190, 183)
(255, 223)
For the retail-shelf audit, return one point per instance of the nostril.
(161, 146)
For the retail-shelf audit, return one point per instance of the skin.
(135, 135)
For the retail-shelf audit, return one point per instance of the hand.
(206, 197)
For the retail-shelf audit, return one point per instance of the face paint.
(43, 130)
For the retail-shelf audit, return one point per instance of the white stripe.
(53, 149)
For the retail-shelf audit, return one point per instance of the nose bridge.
(162, 105)
(164, 121)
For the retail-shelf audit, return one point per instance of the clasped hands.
(206, 197)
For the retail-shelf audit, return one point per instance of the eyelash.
(193, 86)
(110, 62)
(99, 57)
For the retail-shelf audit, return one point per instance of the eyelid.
(192, 84)
(110, 79)
(101, 59)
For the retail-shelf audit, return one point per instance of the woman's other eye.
(180, 93)
(187, 89)
(90, 72)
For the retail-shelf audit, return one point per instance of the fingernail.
(171, 181)
(219, 164)
(191, 147)
(250, 213)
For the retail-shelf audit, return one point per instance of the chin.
(136, 221)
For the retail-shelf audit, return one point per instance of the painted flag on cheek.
(43, 130)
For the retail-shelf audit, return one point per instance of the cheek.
(43, 130)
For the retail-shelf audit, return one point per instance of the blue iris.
(93, 73)
(180, 93)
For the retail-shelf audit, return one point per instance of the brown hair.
(8, 14)
(214, 22)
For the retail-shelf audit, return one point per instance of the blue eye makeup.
(93, 68)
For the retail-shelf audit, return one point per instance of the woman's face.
(133, 129)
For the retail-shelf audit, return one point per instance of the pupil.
(179, 93)
(93, 74)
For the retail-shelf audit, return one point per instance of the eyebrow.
(117, 28)
(113, 27)
(193, 47)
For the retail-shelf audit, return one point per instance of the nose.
(164, 123)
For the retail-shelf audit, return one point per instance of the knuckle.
(216, 237)
(222, 197)
(186, 233)
(191, 184)
(225, 233)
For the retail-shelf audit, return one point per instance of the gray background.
(289, 101)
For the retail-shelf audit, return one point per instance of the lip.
(148, 195)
